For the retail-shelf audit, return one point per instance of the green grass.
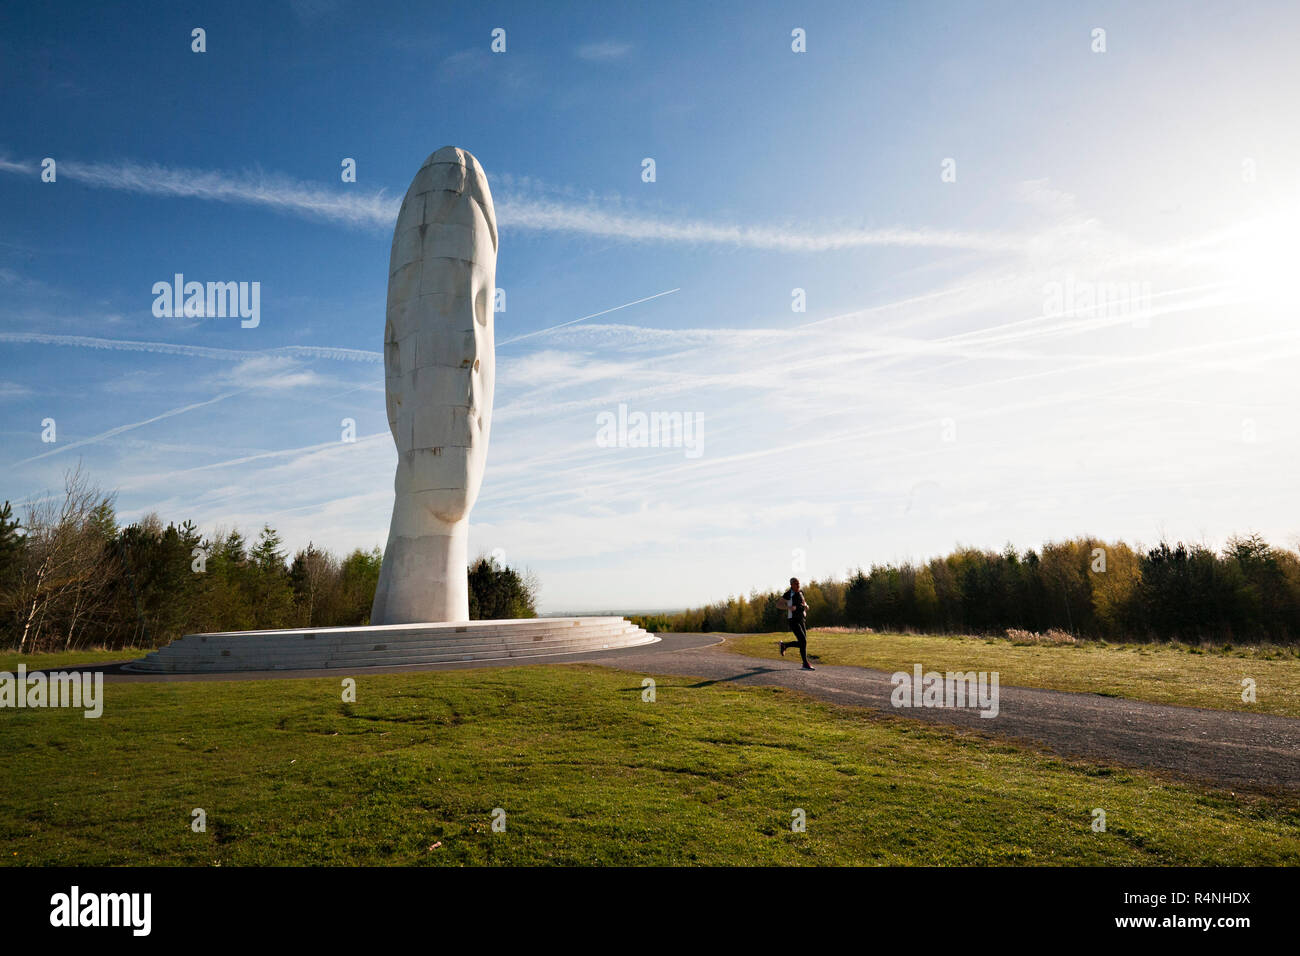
(9, 661)
(1190, 676)
(587, 773)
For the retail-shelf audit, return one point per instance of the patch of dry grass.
(1191, 676)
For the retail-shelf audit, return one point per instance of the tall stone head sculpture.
(438, 376)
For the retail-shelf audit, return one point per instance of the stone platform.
(389, 645)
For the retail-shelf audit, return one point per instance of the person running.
(796, 611)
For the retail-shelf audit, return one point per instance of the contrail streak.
(126, 428)
(528, 335)
(195, 351)
(378, 210)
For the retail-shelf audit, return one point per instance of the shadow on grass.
(106, 667)
(752, 672)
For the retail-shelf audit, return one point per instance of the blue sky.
(942, 386)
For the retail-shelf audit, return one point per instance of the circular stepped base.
(389, 645)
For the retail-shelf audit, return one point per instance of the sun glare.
(1260, 259)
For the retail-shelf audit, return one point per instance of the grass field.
(586, 772)
(1192, 677)
(9, 661)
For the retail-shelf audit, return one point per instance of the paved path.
(1227, 748)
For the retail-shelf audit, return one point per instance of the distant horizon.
(251, 533)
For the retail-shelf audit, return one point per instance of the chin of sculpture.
(438, 377)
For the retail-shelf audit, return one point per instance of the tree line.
(1247, 592)
(72, 577)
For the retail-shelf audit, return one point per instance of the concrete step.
(366, 644)
(226, 665)
(229, 665)
(392, 645)
(397, 630)
(363, 636)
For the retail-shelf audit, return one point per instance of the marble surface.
(391, 646)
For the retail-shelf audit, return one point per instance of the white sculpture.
(438, 377)
(438, 367)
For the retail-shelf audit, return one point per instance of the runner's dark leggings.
(800, 631)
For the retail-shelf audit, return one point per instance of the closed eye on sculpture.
(392, 357)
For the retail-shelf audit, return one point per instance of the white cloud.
(277, 372)
(377, 210)
(603, 51)
(362, 209)
(195, 351)
(112, 432)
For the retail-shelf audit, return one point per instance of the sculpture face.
(438, 368)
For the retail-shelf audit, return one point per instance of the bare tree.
(64, 578)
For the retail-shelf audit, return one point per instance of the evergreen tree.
(11, 543)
